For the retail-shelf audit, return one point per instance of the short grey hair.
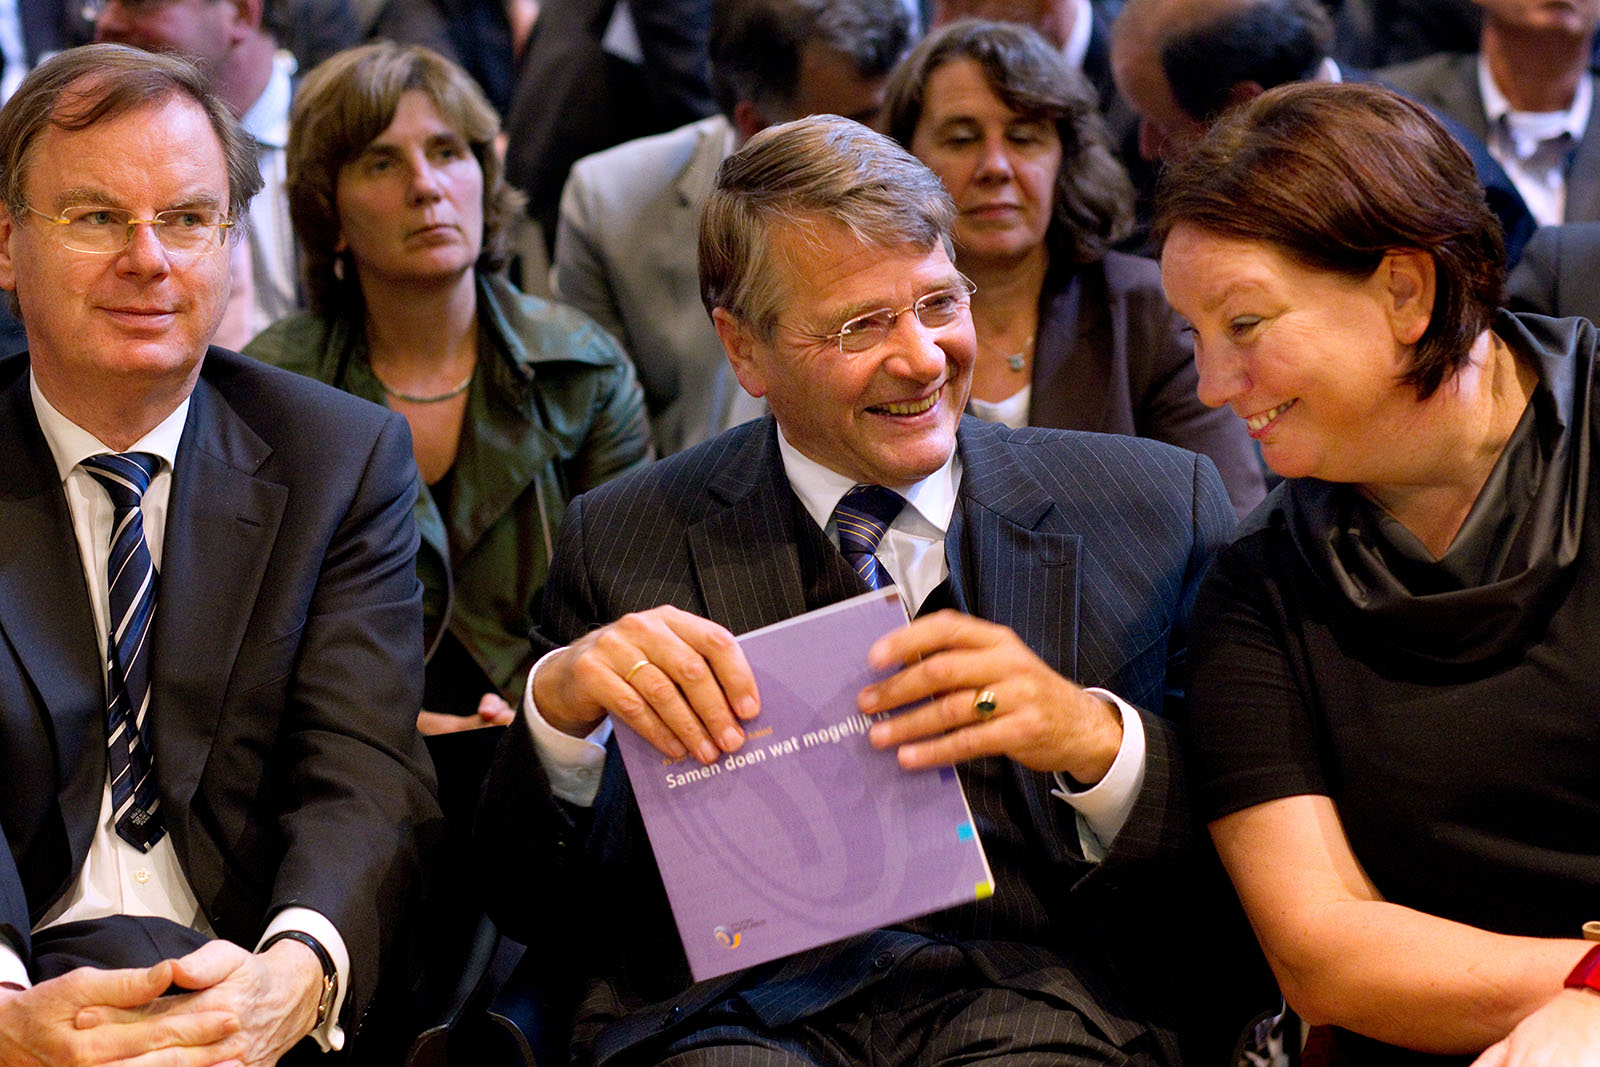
(820, 168)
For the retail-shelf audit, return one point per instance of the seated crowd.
(1217, 410)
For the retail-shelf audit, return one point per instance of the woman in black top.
(1394, 732)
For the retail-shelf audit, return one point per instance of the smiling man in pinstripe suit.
(1039, 563)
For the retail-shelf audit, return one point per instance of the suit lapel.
(1583, 175)
(222, 523)
(746, 561)
(45, 613)
(1071, 376)
(1011, 558)
(695, 180)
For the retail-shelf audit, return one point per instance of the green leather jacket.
(555, 410)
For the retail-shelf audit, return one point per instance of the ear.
(8, 269)
(744, 351)
(246, 19)
(1242, 93)
(748, 120)
(1411, 280)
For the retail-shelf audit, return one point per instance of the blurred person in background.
(1070, 333)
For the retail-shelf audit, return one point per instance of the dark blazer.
(1449, 85)
(286, 670)
(1110, 357)
(1557, 274)
(1089, 546)
(573, 97)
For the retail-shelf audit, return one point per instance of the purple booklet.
(807, 834)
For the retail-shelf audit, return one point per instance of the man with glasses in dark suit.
(1051, 576)
(210, 622)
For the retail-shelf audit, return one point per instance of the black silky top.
(1449, 707)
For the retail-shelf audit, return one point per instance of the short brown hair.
(1093, 200)
(340, 108)
(820, 167)
(77, 88)
(1338, 176)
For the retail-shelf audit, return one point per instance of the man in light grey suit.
(1529, 94)
(1039, 564)
(625, 245)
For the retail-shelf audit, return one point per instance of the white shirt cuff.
(12, 969)
(329, 1036)
(573, 764)
(1104, 806)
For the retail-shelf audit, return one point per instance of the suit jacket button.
(883, 960)
(672, 1016)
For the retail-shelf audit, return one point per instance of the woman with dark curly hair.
(1393, 729)
(1070, 334)
(515, 404)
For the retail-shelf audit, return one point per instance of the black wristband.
(330, 973)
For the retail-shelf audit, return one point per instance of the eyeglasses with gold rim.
(102, 231)
(935, 310)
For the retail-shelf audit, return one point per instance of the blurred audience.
(1528, 93)
(1080, 29)
(515, 404)
(1070, 333)
(625, 249)
(1379, 33)
(596, 73)
(485, 38)
(1183, 63)
(236, 44)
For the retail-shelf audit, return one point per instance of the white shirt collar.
(1545, 125)
(268, 118)
(1076, 46)
(930, 502)
(70, 444)
(1328, 72)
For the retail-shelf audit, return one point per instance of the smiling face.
(883, 417)
(127, 329)
(1000, 166)
(411, 205)
(1311, 360)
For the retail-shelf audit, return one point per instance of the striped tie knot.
(862, 518)
(124, 475)
(131, 604)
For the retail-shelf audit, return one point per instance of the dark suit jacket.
(1089, 546)
(286, 670)
(573, 97)
(1110, 358)
(1558, 271)
(1449, 85)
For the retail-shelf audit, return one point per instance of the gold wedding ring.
(983, 704)
(635, 669)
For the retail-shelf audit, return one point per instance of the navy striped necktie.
(132, 580)
(863, 517)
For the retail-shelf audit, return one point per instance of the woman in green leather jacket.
(515, 404)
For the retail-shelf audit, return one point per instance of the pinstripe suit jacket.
(1089, 546)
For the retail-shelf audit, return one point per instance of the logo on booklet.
(725, 937)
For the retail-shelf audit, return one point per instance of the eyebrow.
(436, 140)
(867, 307)
(95, 196)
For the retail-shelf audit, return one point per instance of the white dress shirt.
(117, 878)
(1535, 147)
(913, 553)
(273, 292)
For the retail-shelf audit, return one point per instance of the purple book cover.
(807, 834)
